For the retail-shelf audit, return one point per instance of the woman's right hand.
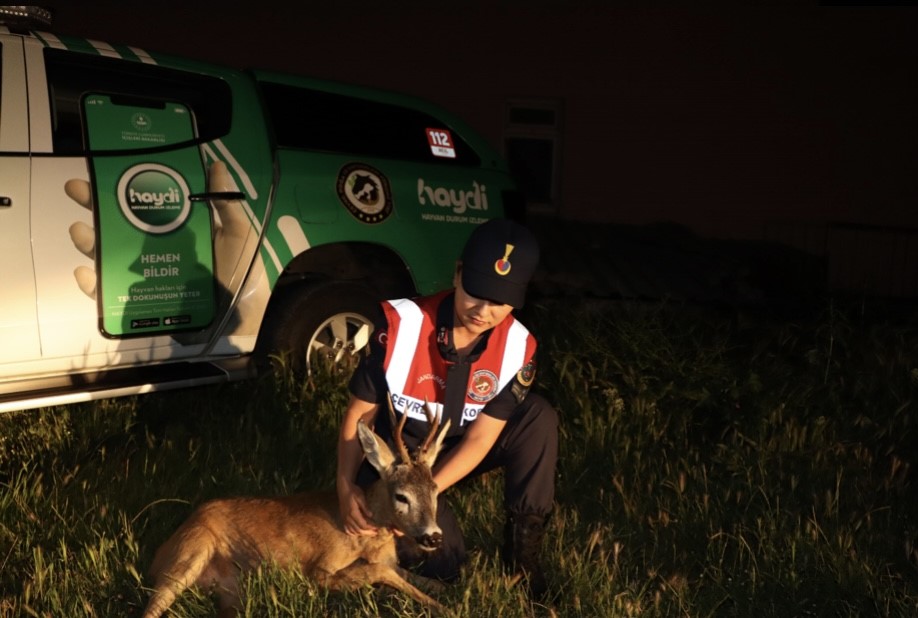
(355, 514)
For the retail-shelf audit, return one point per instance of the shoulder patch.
(524, 379)
(526, 375)
(519, 391)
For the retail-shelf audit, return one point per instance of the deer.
(226, 537)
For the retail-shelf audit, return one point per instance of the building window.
(532, 147)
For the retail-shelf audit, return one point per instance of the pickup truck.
(166, 222)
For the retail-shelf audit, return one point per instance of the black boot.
(523, 534)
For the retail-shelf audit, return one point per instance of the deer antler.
(397, 430)
(433, 420)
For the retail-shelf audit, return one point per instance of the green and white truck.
(166, 222)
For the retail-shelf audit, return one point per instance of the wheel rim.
(337, 342)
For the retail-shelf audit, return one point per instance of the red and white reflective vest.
(416, 370)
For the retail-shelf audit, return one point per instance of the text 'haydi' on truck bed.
(166, 222)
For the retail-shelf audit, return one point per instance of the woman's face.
(477, 315)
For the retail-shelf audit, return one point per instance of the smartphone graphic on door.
(154, 245)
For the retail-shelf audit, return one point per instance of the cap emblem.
(502, 266)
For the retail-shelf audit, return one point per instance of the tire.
(326, 325)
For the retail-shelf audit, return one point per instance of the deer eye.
(402, 498)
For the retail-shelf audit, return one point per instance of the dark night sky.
(839, 86)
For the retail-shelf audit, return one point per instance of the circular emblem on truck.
(154, 198)
(365, 193)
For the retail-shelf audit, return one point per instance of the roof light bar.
(25, 16)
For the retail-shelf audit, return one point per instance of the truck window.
(71, 75)
(316, 120)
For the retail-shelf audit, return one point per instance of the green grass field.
(714, 462)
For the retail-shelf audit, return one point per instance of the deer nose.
(430, 541)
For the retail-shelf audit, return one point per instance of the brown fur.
(225, 537)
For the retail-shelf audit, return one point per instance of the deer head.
(405, 498)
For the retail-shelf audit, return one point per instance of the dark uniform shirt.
(369, 380)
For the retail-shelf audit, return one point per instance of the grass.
(714, 462)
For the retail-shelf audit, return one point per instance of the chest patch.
(483, 386)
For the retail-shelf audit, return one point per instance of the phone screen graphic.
(154, 247)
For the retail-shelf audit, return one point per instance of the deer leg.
(360, 574)
(159, 602)
(227, 593)
(168, 587)
(228, 612)
(228, 604)
(425, 584)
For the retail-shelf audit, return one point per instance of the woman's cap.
(498, 261)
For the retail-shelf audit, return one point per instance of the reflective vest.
(416, 370)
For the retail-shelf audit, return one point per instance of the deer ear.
(378, 452)
(430, 455)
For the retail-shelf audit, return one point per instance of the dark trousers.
(527, 450)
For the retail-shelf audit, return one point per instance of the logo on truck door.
(154, 198)
(365, 193)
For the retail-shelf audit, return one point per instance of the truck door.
(123, 253)
(18, 321)
(154, 249)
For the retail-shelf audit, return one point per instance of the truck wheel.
(324, 325)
